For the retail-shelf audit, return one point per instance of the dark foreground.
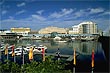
(85, 67)
(100, 66)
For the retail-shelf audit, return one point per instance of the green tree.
(15, 68)
(48, 66)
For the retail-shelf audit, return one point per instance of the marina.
(83, 50)
(59, 36)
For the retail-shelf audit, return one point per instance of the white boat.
(73, 38)
(40, 47)
(36, 49)
(27, 48)
(2, 48)
(87, 38)
(61, 41)
(18, 51)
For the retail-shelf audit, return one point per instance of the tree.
(48, 66)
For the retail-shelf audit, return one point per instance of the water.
(84, 49)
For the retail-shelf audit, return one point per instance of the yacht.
(40, 47)
(18, 51)
(2, 48)
(35, 48)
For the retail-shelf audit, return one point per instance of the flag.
(92, 58)
(6, 50)
(74, 57)
(31, 53)
(13, 54)
(43, 54)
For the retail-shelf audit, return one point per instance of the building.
(4, 31)
(8, 35)
(21, 31)
(88, 28)
(84, 28)
(49, 30)
(75, 30)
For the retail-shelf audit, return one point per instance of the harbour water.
(84, 49)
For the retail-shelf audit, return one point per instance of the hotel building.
(84, 28)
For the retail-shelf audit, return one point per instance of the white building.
(51, 29)
(4, 31)
(75, 30)
(21, 31)
(84, 28)
(88, 28)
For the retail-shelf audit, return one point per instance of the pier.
(69, 57)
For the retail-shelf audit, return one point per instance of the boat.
(40, 47)
(61, 41)
(87, 38)
(18, 51)
(35, 48)
(27, 48)
(73, 38)
(2, 48)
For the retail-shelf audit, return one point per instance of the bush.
(49, 66)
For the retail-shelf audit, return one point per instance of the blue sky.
(37, 14)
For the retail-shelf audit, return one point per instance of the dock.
(69, 57)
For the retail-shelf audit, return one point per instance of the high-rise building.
(88, 28)
(84, 28)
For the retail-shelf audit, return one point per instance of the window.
(85, 28)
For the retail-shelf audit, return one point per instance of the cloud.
(67, 11)
(62, 13)
(1, 2)
(63, 18)
(20, 12)
(95, 10)
(4, 12)
(40, 12)
(80, 13)
(103, 23)
(10, 17)
(38, 17)
(87, 12)
(21, 4)
(105, 13)
(38, 24)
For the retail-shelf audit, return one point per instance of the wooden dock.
(69, 57)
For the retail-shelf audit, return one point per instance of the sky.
(37, 14)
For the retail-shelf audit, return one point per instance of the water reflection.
(83, 48)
